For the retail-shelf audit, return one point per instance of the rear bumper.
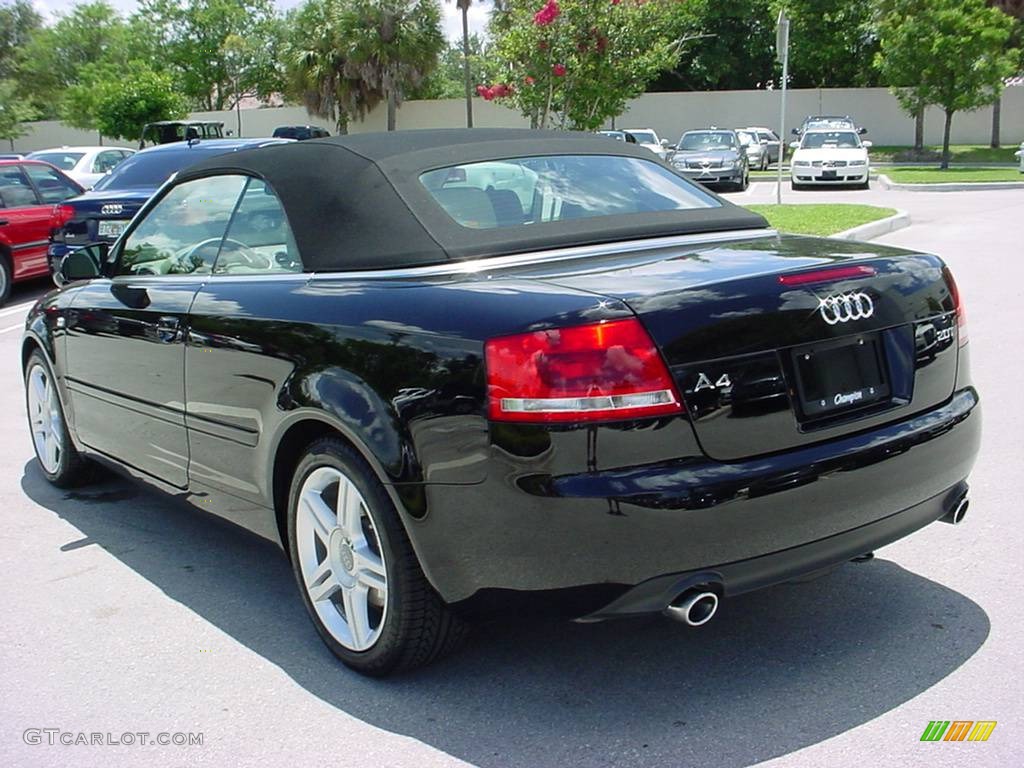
(756, 573)
(533, 536)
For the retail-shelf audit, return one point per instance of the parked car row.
(713, 156)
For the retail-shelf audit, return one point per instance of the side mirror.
(191, 134)
(664, 142)
(229, 132)
(82, 263)
(862, 131)
(866, 144)
(794, 145)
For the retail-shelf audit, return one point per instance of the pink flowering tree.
(575, 63)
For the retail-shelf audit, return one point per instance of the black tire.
(5, 278)
(417, 627)
(71, 468)
(744, 182)
(865, 185)
(794, 186)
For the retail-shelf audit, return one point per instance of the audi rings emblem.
(112, 209)
(844, 307)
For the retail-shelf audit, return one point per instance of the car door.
(234, 371)
(24, 222)
(125, 337)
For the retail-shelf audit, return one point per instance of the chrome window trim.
(474, 266)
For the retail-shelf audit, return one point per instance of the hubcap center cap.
(341, 552)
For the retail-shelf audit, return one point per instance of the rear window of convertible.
(535, 190)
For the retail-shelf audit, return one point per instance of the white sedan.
(830, 157)
(648, 139)
(86, 165)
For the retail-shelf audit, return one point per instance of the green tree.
(200, 40)
(14, 113)
(448, 80)
(898, 59)
(1014, 9)
(137, 97)
(392, 46)
(574, 64)
(315, 58)
(18, 21)
(55, 58)
(831, 42)
(467, 71)
(951, 53)
(735, 50)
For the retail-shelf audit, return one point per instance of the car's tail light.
(603, 371)
(59, 216)
(958, 306)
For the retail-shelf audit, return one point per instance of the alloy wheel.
(341, 559)
(44, 419)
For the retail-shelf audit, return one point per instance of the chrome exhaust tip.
(694, 607)
(956, 515)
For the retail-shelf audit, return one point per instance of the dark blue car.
(103, 213)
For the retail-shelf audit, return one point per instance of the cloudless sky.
(451, 18)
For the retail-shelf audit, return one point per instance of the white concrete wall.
(668, 113)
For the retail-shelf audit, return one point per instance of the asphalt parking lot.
(126, 612)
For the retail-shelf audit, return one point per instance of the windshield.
(538, 190)
(821, 139)
(700, 140)
(66, 161)
(147, 171)
(645, 137)
(827, 122)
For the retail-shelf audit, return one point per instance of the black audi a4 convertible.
(460, 372)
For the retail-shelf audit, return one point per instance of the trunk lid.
(765, 366)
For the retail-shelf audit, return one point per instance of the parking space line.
(12, 328)
(16, 308)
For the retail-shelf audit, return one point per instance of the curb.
(873, 229)
(964, 186)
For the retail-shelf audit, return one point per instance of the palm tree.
(393, 45)
(463, 6)
(317, 62)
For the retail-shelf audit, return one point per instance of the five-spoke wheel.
(341, 559)
(58, 458)
(359, 577)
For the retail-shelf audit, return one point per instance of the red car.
(28, 191)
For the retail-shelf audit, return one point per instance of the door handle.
(168, 329)
(4, 222)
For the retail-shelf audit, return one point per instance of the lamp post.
(782, 55)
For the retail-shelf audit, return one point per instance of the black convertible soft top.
(356, 202)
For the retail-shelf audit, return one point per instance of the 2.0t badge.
(844, 307)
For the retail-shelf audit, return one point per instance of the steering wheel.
(232, 252)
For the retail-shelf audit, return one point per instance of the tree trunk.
(997, 108)
(467, 74)
(392, 108)
(945, 140)
(342, 125)
(919, 129)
